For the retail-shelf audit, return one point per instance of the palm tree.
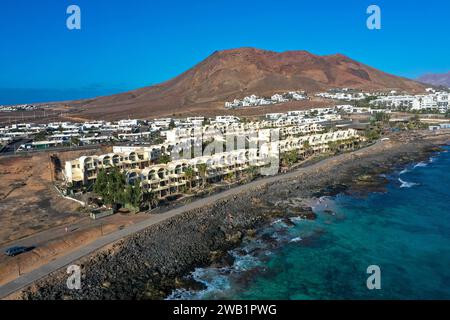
(334, 146)
(202, 169)
(74, 141)
(189, 175)
(229, 176)
(353, 142)
(252, 172)
(164, 159)
(307, 147)
(151, 199)
(290, 158)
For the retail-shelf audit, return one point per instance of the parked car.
(14, 251)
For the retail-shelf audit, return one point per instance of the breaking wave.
(421, 165)
(406, 184)
(404, 171)
(218, 281)
(212, 278)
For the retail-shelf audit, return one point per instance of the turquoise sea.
(405, 231)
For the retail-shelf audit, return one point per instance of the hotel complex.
(209, 153)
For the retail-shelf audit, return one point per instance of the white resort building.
(258, 150)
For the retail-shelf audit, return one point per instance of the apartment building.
(138, 163)
(435, 101)
(83, 171)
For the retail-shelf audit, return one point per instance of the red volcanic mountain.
(230, 74)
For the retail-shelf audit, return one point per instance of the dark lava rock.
(331, 190)
(304, 213)
(151, 263)
(288, 222)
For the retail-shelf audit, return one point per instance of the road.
(37, 239)
(61, 262)
(11, 147)
(9, 151)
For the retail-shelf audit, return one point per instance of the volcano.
(230, 74)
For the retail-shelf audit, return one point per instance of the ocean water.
(405, 231)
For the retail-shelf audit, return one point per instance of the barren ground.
(29, 203)
(33, 213)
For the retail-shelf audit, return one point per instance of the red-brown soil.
(230, 74)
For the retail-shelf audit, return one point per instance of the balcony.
(77, 177)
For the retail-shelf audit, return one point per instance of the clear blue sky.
(134, 43)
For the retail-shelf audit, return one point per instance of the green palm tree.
(74, 141)
(333, 145)
(189, 175)
(252, 172)
(202, 169)
(151, 199)
(164, 159)
(290, 157)
(307, 147)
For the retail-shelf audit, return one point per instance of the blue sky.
(129, 44)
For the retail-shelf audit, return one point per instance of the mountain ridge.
(436, 79)
(228, 74)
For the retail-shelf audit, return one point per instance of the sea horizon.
(41, 96)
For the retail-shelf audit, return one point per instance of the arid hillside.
(436, 79)
(230, 74)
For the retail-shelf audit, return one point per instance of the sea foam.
(211, 278)
(406, 184)
(420, 165)
(404, 171)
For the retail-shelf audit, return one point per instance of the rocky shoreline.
(154, 262)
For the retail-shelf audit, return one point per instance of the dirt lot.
(31, 208)
(29, 203)
(85, 232)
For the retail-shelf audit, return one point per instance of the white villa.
(437, 101)
(255, 101)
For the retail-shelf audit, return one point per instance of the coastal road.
(36, 240)
(61, 262)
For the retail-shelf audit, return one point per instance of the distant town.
(29, 136)
(255, 101)
(167, 158)
(22, 107)
(433, 101)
